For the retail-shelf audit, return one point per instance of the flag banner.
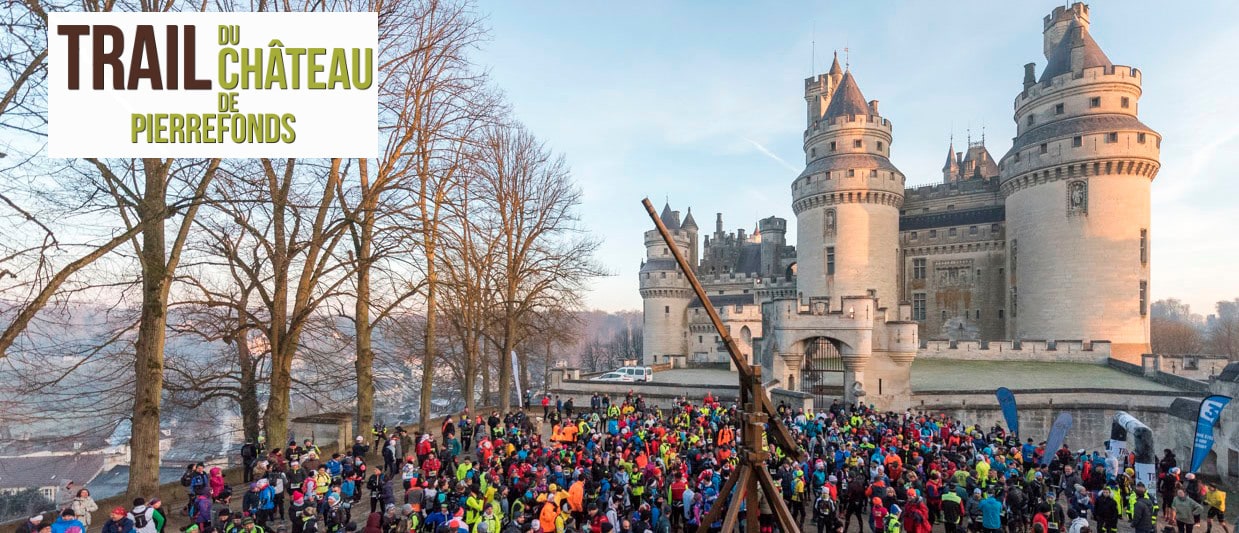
(1058, 433)
(1210, 411)
(516, 378)
(1006, 400)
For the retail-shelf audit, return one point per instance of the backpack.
(187, 478)
(140, 520)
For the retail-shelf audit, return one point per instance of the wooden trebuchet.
(751, 480)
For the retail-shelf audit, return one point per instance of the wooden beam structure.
(751, 480)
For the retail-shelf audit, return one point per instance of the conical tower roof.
(951, 164)
(847, 99)
(668, 217)
(1077, 36)
(689, 223)
(834, 67)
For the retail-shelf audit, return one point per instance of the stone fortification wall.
(1095, 352)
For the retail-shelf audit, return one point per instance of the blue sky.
(702, 103)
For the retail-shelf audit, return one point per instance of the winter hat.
(119, 511)
(298, 498)
(36, 518)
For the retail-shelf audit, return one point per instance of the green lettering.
(226, 80)
(314, 69)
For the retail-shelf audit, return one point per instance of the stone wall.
(1095, 352)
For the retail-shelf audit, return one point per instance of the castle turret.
(690, 227)
(847, 203)
(1076, 186)
(773, 231)
(950, 170)
(665, 293)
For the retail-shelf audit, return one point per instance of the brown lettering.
(174, 57)
(144, 45)
(74, 32)
(110, 57)
(191, 80)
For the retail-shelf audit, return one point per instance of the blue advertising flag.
(1210, 411)
(1006, 400)
(1058, 433)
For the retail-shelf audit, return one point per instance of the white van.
(637, 373)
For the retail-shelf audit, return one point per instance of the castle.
(1049, 243)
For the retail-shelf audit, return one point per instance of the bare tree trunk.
(471, 373)
(509, 344)
(248, 397)
(428, 358)
(364, 362)
(148, 350)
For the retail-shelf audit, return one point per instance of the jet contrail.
(771, 155)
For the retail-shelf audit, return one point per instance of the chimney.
(1030, 75)
(873, 107)
(740, 235)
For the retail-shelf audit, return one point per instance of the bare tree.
(1224, 329)
(544, 257)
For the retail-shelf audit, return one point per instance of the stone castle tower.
(1076, 189)
(847, 199)
(665, 291)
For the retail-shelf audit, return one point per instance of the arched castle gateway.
(1048, 245)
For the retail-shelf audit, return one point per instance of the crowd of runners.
(625, 466)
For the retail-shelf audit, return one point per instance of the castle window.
(813, 152)
(739, 308)
(1058, 109)
(828, 223)
(700, 339)
(1144, 297)
(666, 251)
(1001, 272)
(1031, 119)
(1112, 137)
(1000, 313)
(830, 260)
(873, 173)
(1140, 138)
(1015, 302)
(858, 144)
(832, 146)
(667, 309)
(1077, 141)
(851, 173)
(978, 314)
(993, 228)
(913, 236)
(1126, 102)
(944, 315)
(933, 233)
(879, 146)
(918, 306)
(1017, 157)
(972, 230)
(950, 207)
(1144, 246)
(1094, 101)
(1045, 148)
(662, 275)
(918, 268)
(951, 232)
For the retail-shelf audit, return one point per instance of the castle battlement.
(1096, 351)
(827, 125)
(955, 188)
(1070, 80)
(1078, 10)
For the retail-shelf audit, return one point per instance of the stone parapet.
(1075, 351)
